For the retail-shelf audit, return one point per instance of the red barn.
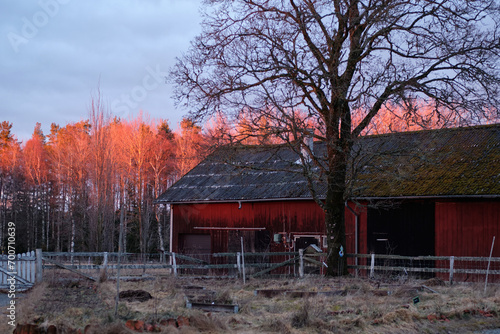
(433, 192)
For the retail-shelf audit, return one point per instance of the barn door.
(195, 244)
(404, 229)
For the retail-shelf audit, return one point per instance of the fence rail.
(92, 265)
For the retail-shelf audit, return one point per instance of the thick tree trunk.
(338, 150)
(335, 218)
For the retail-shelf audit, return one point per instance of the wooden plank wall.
(276, 217)
(467, 228)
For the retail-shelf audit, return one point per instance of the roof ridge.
(453, 129)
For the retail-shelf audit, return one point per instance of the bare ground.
(310, 305)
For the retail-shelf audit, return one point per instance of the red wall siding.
(294, 217)
(360, 210)
(467, 228)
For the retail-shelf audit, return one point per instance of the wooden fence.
(24, 270)
(20, 271)
(450, 268)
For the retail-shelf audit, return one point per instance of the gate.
(22, 268)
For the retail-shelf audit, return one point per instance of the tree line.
(64, 190)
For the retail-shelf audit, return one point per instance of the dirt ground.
(287, 305)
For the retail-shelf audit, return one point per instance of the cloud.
(68, 48)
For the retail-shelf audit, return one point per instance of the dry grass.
(360, 306)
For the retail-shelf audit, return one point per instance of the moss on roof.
(438, 163)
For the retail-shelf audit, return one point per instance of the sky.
(56, 55)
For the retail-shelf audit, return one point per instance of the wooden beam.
(17, 278)
(70, 269)
(275, 267)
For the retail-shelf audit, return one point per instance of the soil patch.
(135, 295)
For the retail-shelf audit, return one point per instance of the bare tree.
(102, 215)
(335, 59)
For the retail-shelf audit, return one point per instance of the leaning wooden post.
(452, 262)
(39, 267)
(489, 261)
(301, 263)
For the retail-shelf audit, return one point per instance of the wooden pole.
(301, 263)
(452, 262)
(489, 261)
(120, 250)
(104, 273)
(372, 266)
(174, 264)
(243, 260)
(39, 267)
(238, 262)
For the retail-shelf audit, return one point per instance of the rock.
(168, 322)
(27, 329)
(432, 317)
(182, 321)
(130, 324)
(52, 329)
(139, 325)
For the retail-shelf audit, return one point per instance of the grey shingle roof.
(447, 162)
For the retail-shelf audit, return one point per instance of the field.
(308, 305)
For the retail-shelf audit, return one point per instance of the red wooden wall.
(467, 228)
(461, 228)
(295, 217)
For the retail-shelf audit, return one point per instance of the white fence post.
(39, 266)
(372, 266)
(238, 262)
(32, 277)
(452, 263)
(301, 263)
(174, 264)
(104, 274)
(243, 260)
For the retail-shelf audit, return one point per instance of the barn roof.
(459, 162)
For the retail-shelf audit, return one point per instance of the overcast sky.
(55, 54)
